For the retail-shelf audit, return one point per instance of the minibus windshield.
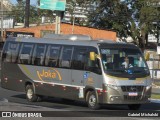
(124, 62)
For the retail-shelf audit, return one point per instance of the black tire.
(92, 100)
(30, 94)
(134, 106)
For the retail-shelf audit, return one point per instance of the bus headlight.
(112, 86)
(148, 87)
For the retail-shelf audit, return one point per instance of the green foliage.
(111, 15)
(133, 18)
(155, 96)
(146, 14)
(18, 11)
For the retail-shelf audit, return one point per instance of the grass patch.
(157, 83)
(155, 96)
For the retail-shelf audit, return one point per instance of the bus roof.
(68, 36)
(70, 42)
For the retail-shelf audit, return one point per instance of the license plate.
(133, 94)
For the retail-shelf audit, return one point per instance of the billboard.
(19, 34)
(53, 4)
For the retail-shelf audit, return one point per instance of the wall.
(67, 29)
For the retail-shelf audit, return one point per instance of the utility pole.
(58, 22)
(73, 20)
(27, 13)
(73, 15)
(2, 19)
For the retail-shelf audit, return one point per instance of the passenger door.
(78, 63)
(92, 74)
(65, 71)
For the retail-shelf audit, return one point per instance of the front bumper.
(120, 95)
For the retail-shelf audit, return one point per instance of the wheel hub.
(92, 100)
(29, 93)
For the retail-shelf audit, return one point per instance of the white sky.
(33, 2)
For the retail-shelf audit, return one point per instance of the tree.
(18, 11)
(144, 15)
(110, 15)
(27, 13)
(128, 18)
(19, 1)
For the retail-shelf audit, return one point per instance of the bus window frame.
(34, 53)
(16, 51)
(31, 53)
(61, 55)
(73, 57)
(48, 55)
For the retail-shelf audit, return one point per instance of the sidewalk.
(155, 90)
(155, 87)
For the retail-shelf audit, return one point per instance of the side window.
(5, 50)
(39, 54)
(52, 56)
(25, 53)
(78, 60)
(65, 61)
(10, 53)
(93, 66)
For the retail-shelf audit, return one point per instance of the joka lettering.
(49, 74)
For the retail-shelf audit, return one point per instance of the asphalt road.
(57, 103)
(16, 101)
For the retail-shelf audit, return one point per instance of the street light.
(73, 15)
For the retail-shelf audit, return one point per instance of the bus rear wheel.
(92, 101)
(30, 94)
(134, 106)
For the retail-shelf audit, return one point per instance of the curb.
(155, 100)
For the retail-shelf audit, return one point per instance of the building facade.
(7, 6)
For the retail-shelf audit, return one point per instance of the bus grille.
(126, 97)
(132, 88)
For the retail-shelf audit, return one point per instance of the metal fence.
(8, 23)
(153, 62)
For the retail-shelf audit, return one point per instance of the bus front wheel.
(30, 94)
(92, 100)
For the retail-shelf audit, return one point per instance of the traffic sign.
(53, 4)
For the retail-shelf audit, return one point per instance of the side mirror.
(147, 56)
(92, 56)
